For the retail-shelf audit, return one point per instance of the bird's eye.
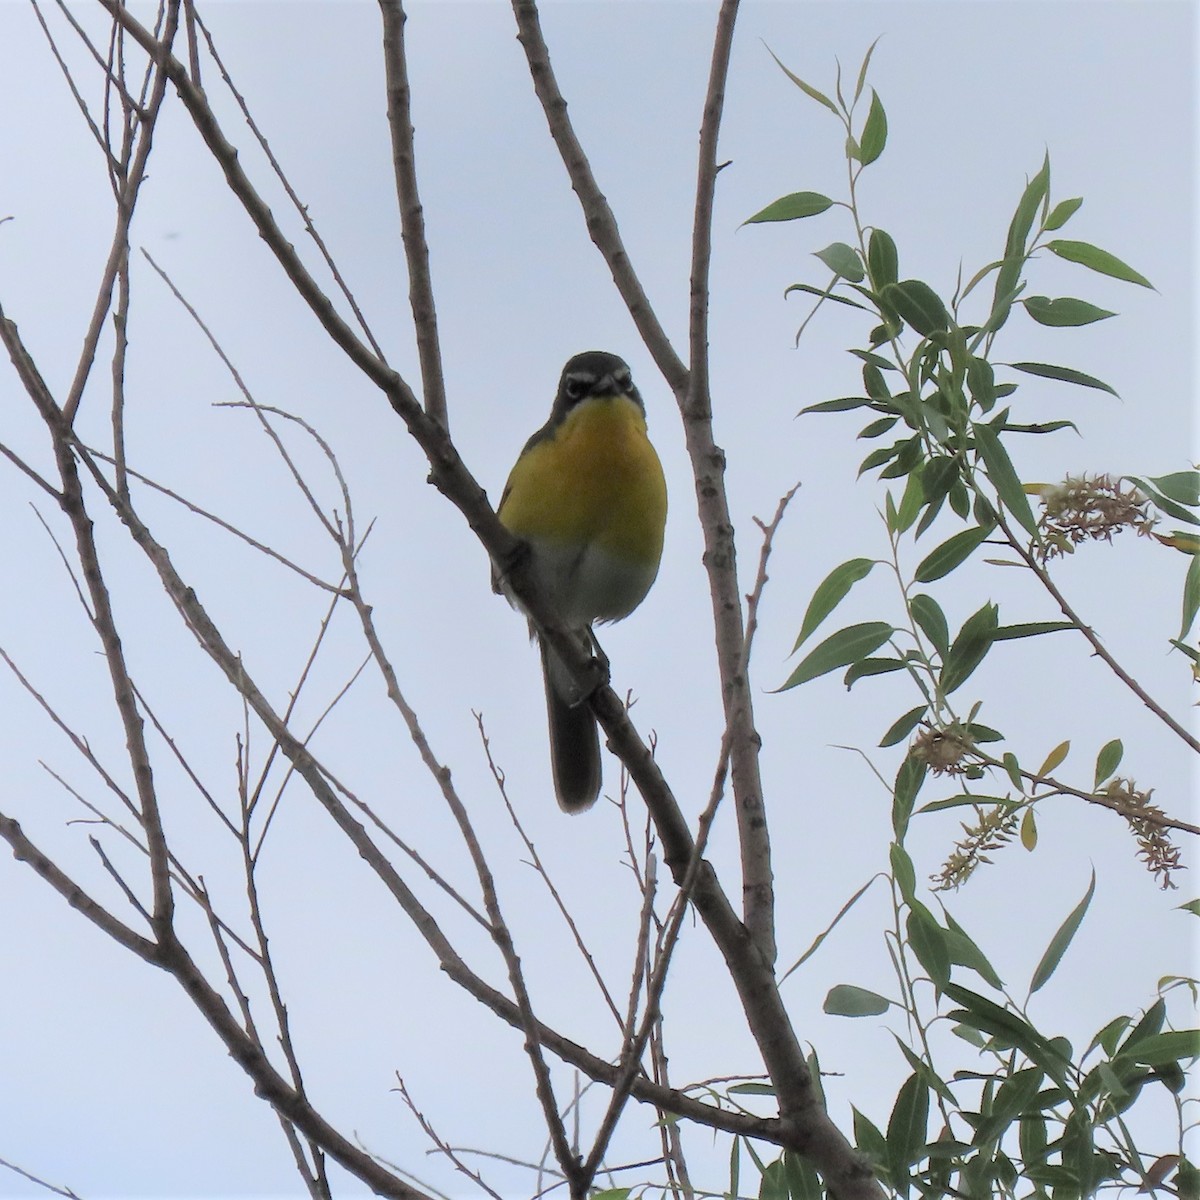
(624, 380)
(575, 386)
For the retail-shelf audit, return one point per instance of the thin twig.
(39, 1182)
(1093, 638)
(540, 868)
(126, 202)
(443, 1146)
(300, 207)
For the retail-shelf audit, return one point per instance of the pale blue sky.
(109, 1082)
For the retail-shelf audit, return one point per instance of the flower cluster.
(994, 828)
(1155, 847)
(1083, 509)
(944, 751)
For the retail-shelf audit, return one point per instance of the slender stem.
(1094, 639)
(127, 193)
(601, 224)
(720, 550)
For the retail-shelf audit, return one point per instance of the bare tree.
(161, 903)
(145, 70)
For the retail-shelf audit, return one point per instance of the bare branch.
(39, 1182)
(126, 201)
(285, 183)
(412, 217)
(539, 867)
(601, 224)
(1094, 639)
(443, 1146)
(25, 851)
(103, 620)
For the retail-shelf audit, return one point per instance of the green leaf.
(1041, 427)
(803, 1183)
(806, 88)
(903, 871)
(1055, 758)
(751, 1089)
(909, 778)
(1008, 277)
(876, 360)
(1004, 477)
(1061, 213)
(919, 305)
(1182, 487)
(1108, 760)
(907, 1126)
(830, 593)
(1185, 543)
(964, 800)
(1033, 195)
(1184, 648)
(981, 382)
(969, 647)
(1065, 311)
(773, 1184)
(926, 940)
(965, 952)
(862, 71)
(1061, 940)
(869, 1140)
(877, 458)
(978, 1012)
(875, 383)
(883, 262)
(825, 294)
(871, 666)
(792, 207)
(1013, 770)
(1030, 629)
(983, 733)
(874, 133)
(1150, 1024)
(1108, 1037)
(1032, 1140)
(1165, 503)
(1017, 1093)
(877, 428)
(903, 726)
(1162, 1048)
(1066, 374)
(911, 502)
(839, 650)
(846, 1000)
(939, 474)
(842, 260)
(1097, 260)
(842, 404)
(1029, 835)
(927, 613)
(1192, 906)
(950, 554)
(816, 944)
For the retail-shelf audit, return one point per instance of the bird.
(588, 497)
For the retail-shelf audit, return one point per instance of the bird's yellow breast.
(592, 480)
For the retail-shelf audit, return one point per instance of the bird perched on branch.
(587, 495)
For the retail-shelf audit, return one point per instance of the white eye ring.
(574, 387)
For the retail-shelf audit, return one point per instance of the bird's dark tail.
(574, 742)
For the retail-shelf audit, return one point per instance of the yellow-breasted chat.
(587, 495)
